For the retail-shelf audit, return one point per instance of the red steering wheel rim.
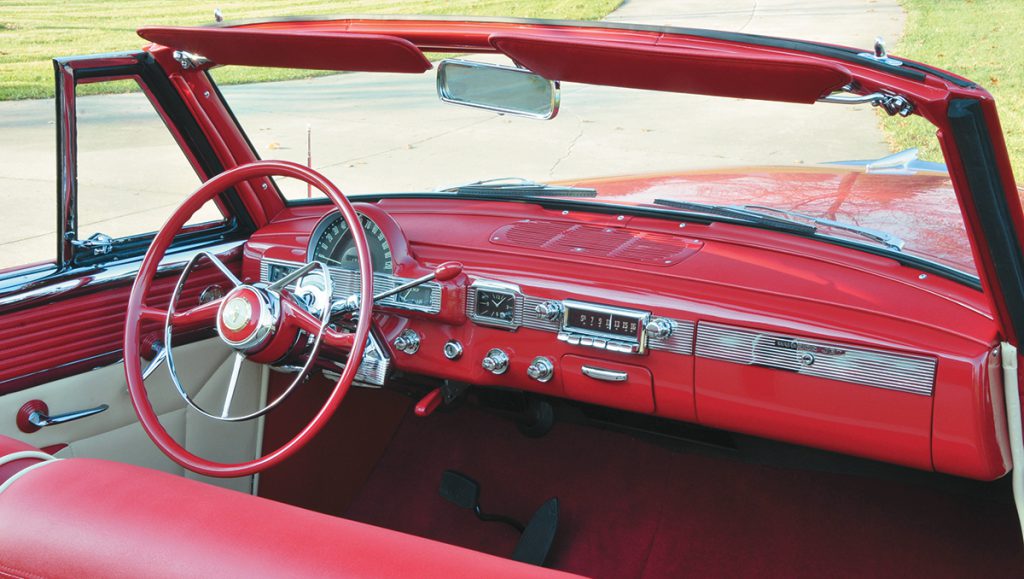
(143, 282)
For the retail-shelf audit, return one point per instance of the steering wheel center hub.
(247, 318)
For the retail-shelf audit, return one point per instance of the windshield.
(377, 133)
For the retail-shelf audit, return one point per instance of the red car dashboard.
(717, 324)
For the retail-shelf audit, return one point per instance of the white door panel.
(204, 369)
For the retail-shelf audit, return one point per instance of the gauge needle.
(331, 260)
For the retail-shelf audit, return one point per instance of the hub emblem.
(237, 313)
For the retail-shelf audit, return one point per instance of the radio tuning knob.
(659, 328)
(549, 310)
(541, 369)
(495, 362)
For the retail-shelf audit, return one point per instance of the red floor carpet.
(630, 508)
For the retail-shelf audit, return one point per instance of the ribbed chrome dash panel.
(533, 320)
(346, 283)
(680, 341)
(865, 366)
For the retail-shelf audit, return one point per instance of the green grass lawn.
(34, 31)
(982, 40)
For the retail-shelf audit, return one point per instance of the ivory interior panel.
(204, 369)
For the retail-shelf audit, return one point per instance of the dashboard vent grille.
(597, 242)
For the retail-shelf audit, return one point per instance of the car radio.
(599, 326)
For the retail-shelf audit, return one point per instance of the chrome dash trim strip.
(865, 366)
(533, 320)
(679, 342)
(346, 283)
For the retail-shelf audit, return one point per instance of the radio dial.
(495, 362)
(549, 310)
(659, 328)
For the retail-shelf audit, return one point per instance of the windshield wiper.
(518, 187)
(889, 240)
(740, 214)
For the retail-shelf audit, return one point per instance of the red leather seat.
(8, 446)
(90, 518)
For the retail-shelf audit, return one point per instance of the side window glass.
(132, 173)
(28, 186)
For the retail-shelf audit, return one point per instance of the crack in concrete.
(753, 10)
(568, 150)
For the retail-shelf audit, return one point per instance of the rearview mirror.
(503, 89)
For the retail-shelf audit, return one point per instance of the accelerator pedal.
(535, 538)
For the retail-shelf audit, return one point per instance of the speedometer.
(332, 244)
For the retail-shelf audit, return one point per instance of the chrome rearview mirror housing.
(494, 87)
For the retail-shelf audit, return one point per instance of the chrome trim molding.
(346, 283)
(680, 341)
(865, 366)
(533, 320)
(112, 273)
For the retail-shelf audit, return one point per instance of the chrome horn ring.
(275, 293)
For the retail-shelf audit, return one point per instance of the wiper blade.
(740, 214)
(884, 237)
(518, 187)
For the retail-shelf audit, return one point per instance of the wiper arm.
(740, 214)
(518, 187)
(889, 240)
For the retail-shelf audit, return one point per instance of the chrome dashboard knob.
(541, 369)
(408, 341)
(659, 328)
(549, 310)
(495, 362)
(452, 350)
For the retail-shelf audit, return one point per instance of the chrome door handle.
(604, 375)
(41, 419)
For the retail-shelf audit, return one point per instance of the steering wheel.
(259, 321)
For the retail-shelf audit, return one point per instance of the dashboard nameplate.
(865, 366)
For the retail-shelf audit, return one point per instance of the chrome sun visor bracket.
(188, 61)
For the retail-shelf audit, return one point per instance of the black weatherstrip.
(989, 196)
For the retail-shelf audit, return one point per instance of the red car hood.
(921, 209)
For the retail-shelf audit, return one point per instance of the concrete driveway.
(397, 137)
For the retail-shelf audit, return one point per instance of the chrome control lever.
(444, 272)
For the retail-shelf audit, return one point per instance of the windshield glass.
(389, 133)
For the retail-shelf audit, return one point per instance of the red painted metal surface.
(635, 393)
(921, 209)
(740, 276)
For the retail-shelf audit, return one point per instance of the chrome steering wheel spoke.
(277, 295)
